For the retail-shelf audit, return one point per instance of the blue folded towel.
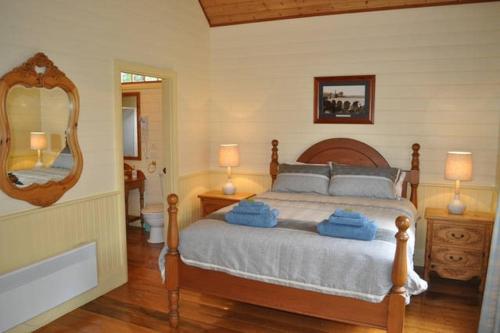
(353, 222)
(267, 219)
(251, 207)
(347, 213)
(366, 233)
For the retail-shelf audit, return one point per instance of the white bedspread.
(40, 175)
(293, 254)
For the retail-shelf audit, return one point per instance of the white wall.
(437, 72)
(83, 38)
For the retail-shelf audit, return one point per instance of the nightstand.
(457, 246)
(214, 200)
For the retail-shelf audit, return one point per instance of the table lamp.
(458, 167)
(38, 141)
(229, 156)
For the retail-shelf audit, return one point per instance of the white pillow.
(399, 184)
(63, 161)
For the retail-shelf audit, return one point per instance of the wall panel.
(84, 39)
(437, 84)
(31, 236)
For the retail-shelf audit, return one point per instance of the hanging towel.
(366, 233)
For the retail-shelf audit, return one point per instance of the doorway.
(146, 138)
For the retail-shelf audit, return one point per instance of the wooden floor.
(141, 306)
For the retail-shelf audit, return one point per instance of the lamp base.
(456, 206)
(38, 164)
(229, 188)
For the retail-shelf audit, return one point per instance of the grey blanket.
(293, 254)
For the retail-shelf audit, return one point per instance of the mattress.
(293, 254)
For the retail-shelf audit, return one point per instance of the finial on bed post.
(415, 165)
(273, 166)
(396, 309)
(172, 262)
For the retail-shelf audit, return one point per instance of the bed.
(377, 302)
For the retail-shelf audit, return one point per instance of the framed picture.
(344, 99)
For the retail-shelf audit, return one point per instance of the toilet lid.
(153, 208)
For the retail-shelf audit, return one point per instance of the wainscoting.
(37, 234)
(189, 187)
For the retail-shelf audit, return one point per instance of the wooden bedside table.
(214, 200)
(457, 246)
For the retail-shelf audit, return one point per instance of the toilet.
(153, 215)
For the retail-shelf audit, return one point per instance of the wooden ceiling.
(227, 12)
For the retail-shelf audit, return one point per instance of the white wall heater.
(31, 290)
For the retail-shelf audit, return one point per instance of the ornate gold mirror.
(39, 154)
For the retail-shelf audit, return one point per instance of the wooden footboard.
(389, 314)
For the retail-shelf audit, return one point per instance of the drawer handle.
(457, 237)
(456, 259)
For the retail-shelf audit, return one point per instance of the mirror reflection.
(131, 105)
(38, 119)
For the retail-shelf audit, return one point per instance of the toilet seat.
(153, 209)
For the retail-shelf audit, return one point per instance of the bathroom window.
(136, 78)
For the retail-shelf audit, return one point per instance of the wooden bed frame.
(389, 314)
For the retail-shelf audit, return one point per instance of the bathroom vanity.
(132, 183)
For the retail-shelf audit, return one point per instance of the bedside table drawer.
(210, 206)
(215, 200)
(456, 264)
(456, 257)
(456, 272)
(458, 235)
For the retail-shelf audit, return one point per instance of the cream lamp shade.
(229, 156)
(458, 167)
(38, 140)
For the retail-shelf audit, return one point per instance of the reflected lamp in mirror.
(458, 168)
(38, 142)
(229, 156)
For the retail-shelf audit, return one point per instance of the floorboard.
(141, 306)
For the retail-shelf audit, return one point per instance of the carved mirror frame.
(40, 72)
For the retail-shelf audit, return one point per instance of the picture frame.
(344, 99)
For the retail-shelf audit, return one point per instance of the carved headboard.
(351, 152)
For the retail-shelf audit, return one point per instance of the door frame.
(169, 126)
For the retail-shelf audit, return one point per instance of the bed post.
(415, 165)
(396, 310)
(172, 266)
(273, 166)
